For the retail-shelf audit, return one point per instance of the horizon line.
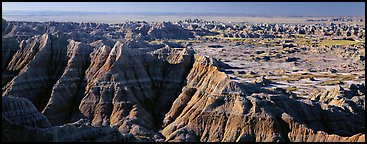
(160, 12)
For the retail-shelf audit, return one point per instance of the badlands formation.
(189, 81)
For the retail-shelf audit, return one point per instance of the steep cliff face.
(40, 67)
(133, 90)
(68, 90)
(56, 88)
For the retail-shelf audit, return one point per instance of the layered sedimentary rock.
(132, 90)
(210, 113)
(351, 99)
(167, 30)
(42, 66)
(21, 122)
(56, 88)
(298, 131)
(68, 90)
(21, 111)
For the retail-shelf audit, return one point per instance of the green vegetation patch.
(224, 38)
(337, 42)
(212, 37)
(188, 41)
(157, 41)
(248, 75)
(291, 88)
(297, 35)
(299, 76)
(331, 82)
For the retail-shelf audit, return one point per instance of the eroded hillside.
(95, 82)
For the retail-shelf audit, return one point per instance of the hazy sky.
(267, 8)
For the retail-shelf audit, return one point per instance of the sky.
(264, 8)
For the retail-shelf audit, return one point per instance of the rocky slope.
(58, 87)
(169, 31)
(22, 122)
